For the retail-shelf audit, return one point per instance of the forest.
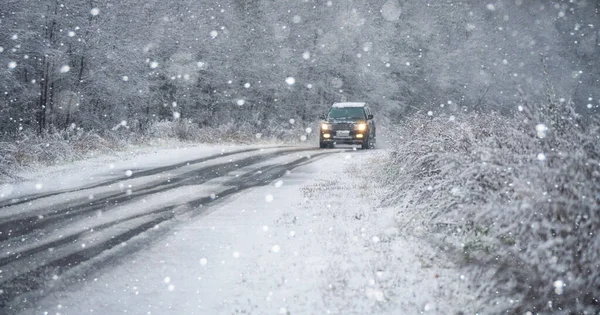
(103, 65)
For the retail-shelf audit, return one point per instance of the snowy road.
(253, 230)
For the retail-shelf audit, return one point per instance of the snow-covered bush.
(7, 160)
(518, 198)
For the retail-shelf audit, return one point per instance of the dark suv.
(348, 123)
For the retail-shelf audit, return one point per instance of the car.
(348, 123)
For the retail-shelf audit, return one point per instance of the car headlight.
(361, 127)
(324, 127)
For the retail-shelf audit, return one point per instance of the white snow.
(292, 254)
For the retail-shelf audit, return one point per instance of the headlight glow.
(361, 127)
(324, 127)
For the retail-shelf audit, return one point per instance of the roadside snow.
(311, 242)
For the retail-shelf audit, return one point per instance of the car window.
(346, 113)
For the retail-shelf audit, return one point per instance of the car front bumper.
(343, 136)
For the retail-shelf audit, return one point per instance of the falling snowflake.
(128, 173)
(558, 287)
(541, 156)
(247, 85)
(65, 69)
(290, 80)
(214, 34)
(154, 65)
(203, 261)
(12, 65)
(125, 78)
(275, 249)
(391, 10)
(95, 11)
(240, 102)
(278, 183)
(306, 55)
(541, 130)
(269, 198)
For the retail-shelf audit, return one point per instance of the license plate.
(343, 133)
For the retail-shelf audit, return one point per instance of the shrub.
(513, 197)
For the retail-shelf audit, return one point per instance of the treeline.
(127, 64)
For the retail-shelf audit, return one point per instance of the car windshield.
(346, 113)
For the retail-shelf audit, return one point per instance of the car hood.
(343, 121)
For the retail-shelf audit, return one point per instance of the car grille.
(343, 126)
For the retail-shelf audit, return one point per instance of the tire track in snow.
(36, 278)
(27, 223)
(137, 174)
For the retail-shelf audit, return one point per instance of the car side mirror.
(322, 116)
(370, 116)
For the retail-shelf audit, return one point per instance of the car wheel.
(365, 144)
(323, 145)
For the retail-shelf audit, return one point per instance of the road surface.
(247, 229)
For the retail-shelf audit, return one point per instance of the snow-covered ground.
(311, 241)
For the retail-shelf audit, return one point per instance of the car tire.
(365, 144)
(323, 145)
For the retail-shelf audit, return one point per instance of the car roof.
(350, 104)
